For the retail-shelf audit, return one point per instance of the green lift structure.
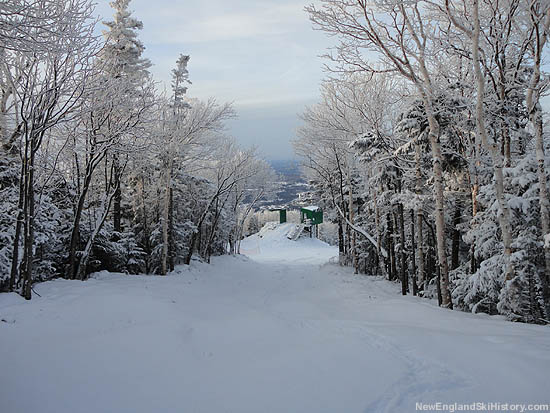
(312, 215)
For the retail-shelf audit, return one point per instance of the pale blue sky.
(260, 54)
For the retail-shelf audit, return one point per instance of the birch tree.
(473, 32)
(403, 40)
(539, 13)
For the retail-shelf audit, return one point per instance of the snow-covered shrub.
(521, 298)
(487, 289)
(51, 225)
(9, 196)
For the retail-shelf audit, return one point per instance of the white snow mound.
(284, 335)
(272, 243)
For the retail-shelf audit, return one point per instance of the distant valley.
(292, 182)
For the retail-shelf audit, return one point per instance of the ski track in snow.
(280, 331)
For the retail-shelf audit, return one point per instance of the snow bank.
(271, 244)
(312, 208)
(281, 331)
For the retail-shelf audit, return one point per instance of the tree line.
(98, 170)
(428, 148)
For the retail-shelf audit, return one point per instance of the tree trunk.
(420, 249)
(146, 238)
(475, 190)
(506, 146)
(117, 200)
(199, 241)
(413, 256)
(171, 244)
(433, 267)
(18, 227)
(341, 250)
(404, 272)
(75, 232)
(544, 204)
(211, 234)
(29, 209)
(378, 232)
(438, 285)
(351, 216)
(189, 255)
(165, 220)
(196, 236)
(456, 235)
(83, 262)
(504, 215)
(439, 205)
(392, 270)
(420, 236)
(535, 116)
(347, 235)
(426, 91)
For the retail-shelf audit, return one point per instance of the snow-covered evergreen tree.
(121, 56)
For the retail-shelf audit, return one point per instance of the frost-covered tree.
(122, 62)
(173, 143)
(452, 181)
(406, 43)
(108, 132)
(102, 133)
(121, 56)
(84, 136)
(46, 85)
(256, 181)
(539, 14)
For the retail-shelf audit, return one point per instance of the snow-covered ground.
(280, 331)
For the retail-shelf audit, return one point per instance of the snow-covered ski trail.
(280, 331)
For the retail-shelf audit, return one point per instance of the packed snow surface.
(283, 330)
(312, 208)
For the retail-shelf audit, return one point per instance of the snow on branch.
(362, 232)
